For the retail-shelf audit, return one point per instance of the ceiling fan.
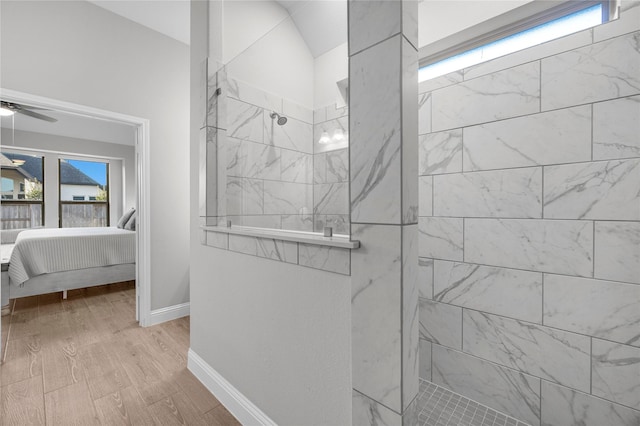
(10, 108)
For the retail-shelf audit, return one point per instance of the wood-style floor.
(85, 361)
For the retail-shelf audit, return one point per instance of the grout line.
(532, 271)
(473, 124)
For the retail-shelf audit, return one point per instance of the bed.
(60, 259)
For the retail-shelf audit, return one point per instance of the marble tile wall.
(329, 259)
(331, 171)
(383, 163)
(529, 227)
(269, 175)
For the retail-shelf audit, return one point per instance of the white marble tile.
(214, 157)
(294, 134)
(410, 318)
(605, 190)
(287, 198)
(564, 406)
(376, 318)
(257, 221)
(291, 109)
(604, 309)
(296, 166)
(243, 244)
(604, 70)
(366, 411)
(534, 140)
(284, 251)
(410, 150)
(338, 222)
(504, 94)
(331, 198)
(331, 259)
(616, 128)
(617, 251)
(424, 113)
(220, 176)
(441, 238)
(244, 121)
(553, 47)
(557, 246)
(337, 166)
(425, 360)
(297, 222)
(440, 82)
(515, 193)
(425, 196)
(410, 21)
(330, 127)
(509, 292)
(441, 323)
(375, 133)
(253, 160)
(245, 92)
(334, 112)
(244, 196)
(616, 373)
(544, 352)
(320, 168)
(411, 413)
(320, 115)
(626, 23)
(371, 22)
(500, 388)
(218, 240)
(440, 152)
(425, 278)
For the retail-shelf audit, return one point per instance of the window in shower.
(546, 26)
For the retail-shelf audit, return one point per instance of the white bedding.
(43, 251)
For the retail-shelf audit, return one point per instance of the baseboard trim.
(239, 405)
(169, 313)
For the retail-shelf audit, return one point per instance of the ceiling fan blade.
(36, 115)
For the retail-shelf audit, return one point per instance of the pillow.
(131, 223)
(125, 218)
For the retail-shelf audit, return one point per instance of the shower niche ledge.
(313, 238)
(309, 249)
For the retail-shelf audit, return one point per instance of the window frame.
(507, 24)
(18, 201)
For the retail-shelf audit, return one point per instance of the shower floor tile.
(441, 407)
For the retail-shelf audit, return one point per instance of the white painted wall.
(77, 52)
(279, 333)
(121, 168)
(67, 192)
(262, 47)
(330, 67)
(438, 19)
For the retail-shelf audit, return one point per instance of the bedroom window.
(22, 191)
(84, 193)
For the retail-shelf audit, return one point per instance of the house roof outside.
(32, 168)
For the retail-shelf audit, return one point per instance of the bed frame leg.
(64, 294)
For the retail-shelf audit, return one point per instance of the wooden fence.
(20, 215)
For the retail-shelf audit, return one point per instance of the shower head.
(281, 120)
